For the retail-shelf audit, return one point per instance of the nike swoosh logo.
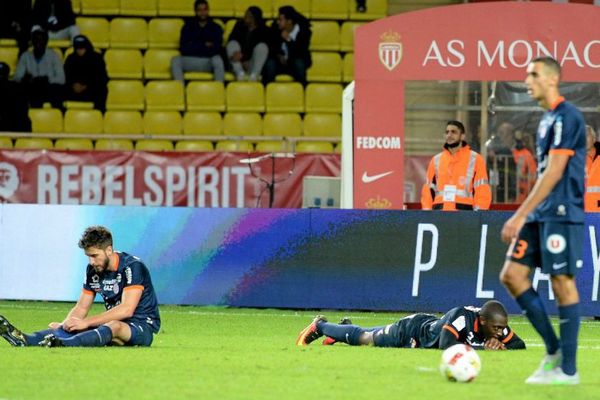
(348, 338)
(559, 266)
(368, 179)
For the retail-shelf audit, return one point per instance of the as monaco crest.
(390, 50)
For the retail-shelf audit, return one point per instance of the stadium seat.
(329, 9)
(5, 142)
(205, 96)
(324, 97)
(348, 68)
(229, 25)
(282, 124)
(222, 8)
(376, 9)
(314, 147)
(326, 67)
(198, 76)
(100, 7)
(78, 105)
(242, 124)
(10, 55)
(114, 144)
(245, 96)
(302, 6)
(154, 145)
(317, 124)
(139, 8)
(128, 33)
(285, 97)
(96, 29)
(59, 44)
(157, 63)
(270, 146)
(124, 63)
(76, 4)
(125, 95)
(202, 123)
(194, 145)
(325, 36)
(46, 120)
(176, 8)
(123, 122)
(240, 7)
(83, 121)
(8, 42)
(165, 96)
(234, 145)
(347, 35)
(162, 123)
(163, 33)
(74, 144)
(33, 143)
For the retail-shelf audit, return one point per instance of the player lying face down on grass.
(131, 317)
(482, 328)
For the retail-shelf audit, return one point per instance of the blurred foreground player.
(131, 317)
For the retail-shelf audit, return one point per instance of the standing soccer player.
(547, 229)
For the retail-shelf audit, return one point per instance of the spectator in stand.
(56, 17)
(15, 22)
(86, 75)
(200, 44)
(13, 104)
(247, 48)
(40, 70)
(289, 46)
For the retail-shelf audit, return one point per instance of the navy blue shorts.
(555, 247)
(141, 334)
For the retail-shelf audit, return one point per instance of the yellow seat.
(317, 124)
(5, 142)
(46, 120)
(302, 6)
(229, 25)
(176, 8)
(202, 123)
(242, 124)
(347, 35)
(348, 68)
(326, 67)
(198, 76)
(324, 97)
(114, 144)
(74, 144)
(240, 7)
(282, 124)
(100, 7)
(139, 8)
(329, 9)
(194, 145)
(76, 4)
(314, 147)
(79, 105)
(125, 95)
(59, 44)
(33, 143)
(162, 123)
(157, 63)
(128, 33)
(123, 122)
(271, 146)
(285, 97)
(325, 36)
(83, 121)
(245, 96)
(235, 145)
(164, 96)
(96, 29)
(163, 33)
(205, 96)
(124, 63)
(376, 9)
(154, 145)
(222, 8)
(10, 55)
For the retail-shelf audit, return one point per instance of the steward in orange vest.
(592, 173)
(526, 170)
(456, 178)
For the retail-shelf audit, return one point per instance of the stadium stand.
(162, 123)
(347, 35)
(10, 55)
(285, 97)
(242, 124)
(329, 9)
(178, 8)
(46, 120)
(123, 122)
(33, 143)
(163, 33)
(128, 33)
(194, 145)
(318, 124)
(125, 95)
(282, 124)
(234, 145)
(324, 97)
(205, 96)
(165, 96)
(100, 7)
(124, 63)
(154, 145)
(6, 142)
(74, 144)
(83, 121)
(314, 147)
(114, 144)
(325, 36)
(375, 9)
(240, 7)
(348, 68)
(302, 6)
(245, 97)
(202, 123)
(222, 8)
(139, 8)
(97, 30)
(326, 67)
(157, 63)
(270, 146)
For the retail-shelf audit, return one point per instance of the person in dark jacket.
(289, 46)
(13, 104)
(15, 22)
(55, 17)
(247, 48)
(200, 45)
(85, 73)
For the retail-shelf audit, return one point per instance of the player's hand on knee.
(54, 325)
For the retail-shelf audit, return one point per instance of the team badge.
(116, 288)
(9, 180)
(95, 278)
(390, 50)
(556, 243)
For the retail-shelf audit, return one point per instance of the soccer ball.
(460, 363)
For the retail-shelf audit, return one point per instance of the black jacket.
(62, 10)
(248, 39)
(297, 49)
(89, 69)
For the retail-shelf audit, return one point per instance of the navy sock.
(569, 329)
(342, 333)
(101, 336)
(531, 303)
(34, 338)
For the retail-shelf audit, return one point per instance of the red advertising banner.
(156, 179)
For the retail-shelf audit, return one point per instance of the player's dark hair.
(96, 236)
(493, 308)
(458, 124)
(550, 63)
(198, 2)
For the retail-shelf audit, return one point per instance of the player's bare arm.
(79, 311)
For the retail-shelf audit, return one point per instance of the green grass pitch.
(223, 353)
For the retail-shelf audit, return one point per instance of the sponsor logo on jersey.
(556, 243)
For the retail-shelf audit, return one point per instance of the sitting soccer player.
(131, 317)
(482, 328)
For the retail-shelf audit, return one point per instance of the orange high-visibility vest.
(456, 181)
(592, 187)
(526, 172)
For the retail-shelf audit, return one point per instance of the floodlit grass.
(220, 353)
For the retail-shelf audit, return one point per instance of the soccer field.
(222, 353)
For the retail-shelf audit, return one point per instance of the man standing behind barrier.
(456, 177)
(592, 172)
(547, 230)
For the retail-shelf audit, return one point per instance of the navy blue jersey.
(131, 273)
(562, 131)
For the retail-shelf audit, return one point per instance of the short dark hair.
(492, 309)
(458, 124)
(96, 236)
(549, 63)
(198, 2)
